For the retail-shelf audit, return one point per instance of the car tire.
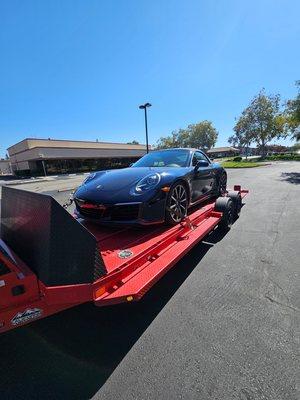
(226, 207)
(222, 184)
(176, 204)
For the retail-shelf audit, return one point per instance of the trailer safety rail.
(49, 261)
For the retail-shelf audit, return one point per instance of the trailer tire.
(225, 205)
(237, 202)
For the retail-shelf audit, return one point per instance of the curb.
(14, 183)
(66, 189)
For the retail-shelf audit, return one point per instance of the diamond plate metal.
(48, 239)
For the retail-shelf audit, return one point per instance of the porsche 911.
(159, 188)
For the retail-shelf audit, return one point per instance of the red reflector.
(93, 206)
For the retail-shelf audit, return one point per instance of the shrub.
(284, 157)
(237, 159)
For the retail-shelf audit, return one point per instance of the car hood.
(115, 185)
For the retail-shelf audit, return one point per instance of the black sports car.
(159, 187)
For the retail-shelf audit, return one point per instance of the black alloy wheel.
(222, 184)
(177, 204)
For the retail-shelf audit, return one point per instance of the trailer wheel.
(237, 202)
(225, 205)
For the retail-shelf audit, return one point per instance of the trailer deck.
(128, 260)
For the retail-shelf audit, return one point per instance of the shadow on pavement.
(7, 177)
(291, 177)
(72, 354)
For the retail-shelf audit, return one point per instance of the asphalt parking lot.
(222, 324)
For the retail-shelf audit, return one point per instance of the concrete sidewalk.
(16, 182)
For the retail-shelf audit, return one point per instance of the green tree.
(242, 138)
(133, 142)
(261, 121)
(292, 113)
(201, 136)
(296, 147)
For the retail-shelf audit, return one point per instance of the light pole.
(43, 163)
(144, 107)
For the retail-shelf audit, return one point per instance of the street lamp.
(144, 107)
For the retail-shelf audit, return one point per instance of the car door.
(202, 179)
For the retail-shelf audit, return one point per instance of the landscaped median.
(240, 164)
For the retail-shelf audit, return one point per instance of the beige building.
(49, 156)
(5, 167)
(218, 152)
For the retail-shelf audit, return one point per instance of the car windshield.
(164, 158)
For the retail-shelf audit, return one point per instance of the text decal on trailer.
(27, 315)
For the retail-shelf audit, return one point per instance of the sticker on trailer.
(27, 315)
(125, 253)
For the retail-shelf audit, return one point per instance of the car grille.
(125, 212)
(122, 212)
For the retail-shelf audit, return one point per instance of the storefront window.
(83, 165)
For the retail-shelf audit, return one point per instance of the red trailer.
(50, 262)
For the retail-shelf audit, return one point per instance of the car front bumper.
(148, 213)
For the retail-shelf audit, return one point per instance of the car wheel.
(222, 184)
(177, 204)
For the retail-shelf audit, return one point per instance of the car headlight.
(147, 183)
(89, 178)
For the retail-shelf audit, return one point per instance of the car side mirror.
(201, 164)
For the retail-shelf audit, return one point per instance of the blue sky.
(79, 69)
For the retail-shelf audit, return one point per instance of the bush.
(284, 157)
(237, 159)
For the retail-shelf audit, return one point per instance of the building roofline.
(221, 149)
(23, 140)
(71, 140)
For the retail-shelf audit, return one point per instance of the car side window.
(198, 156)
